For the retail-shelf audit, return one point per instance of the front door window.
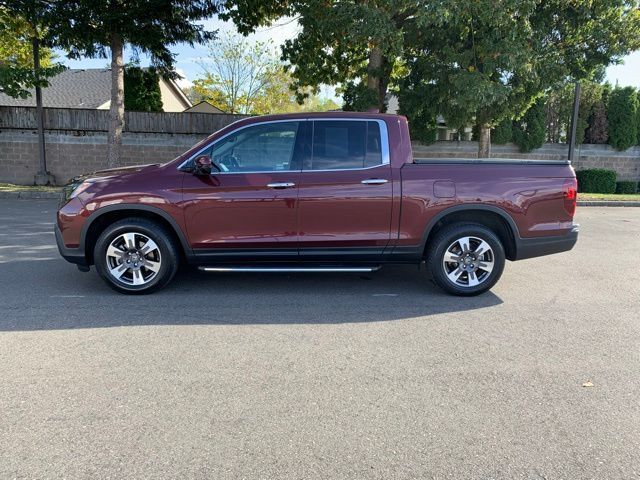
(259, 148)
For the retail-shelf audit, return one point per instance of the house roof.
(73, 88)
(79, 88)
(203, 107)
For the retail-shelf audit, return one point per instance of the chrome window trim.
(384, 145)
(384, 142)
(266, 122)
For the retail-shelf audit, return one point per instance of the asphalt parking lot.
(321, 375)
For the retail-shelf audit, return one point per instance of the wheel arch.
(105, 216)
(495, 218)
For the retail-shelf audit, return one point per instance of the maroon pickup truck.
(314, 193)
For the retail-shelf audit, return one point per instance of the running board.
(291, 269)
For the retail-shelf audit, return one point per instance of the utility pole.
(42, 177)
(574, 122)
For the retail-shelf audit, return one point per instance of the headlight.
(73, 189)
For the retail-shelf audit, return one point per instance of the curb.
(30, 195)
(608, 203)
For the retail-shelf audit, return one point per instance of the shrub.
(142, 89)
(529, 132)
(503, 132)
(626, 186)
(596, 180)
(621, 113)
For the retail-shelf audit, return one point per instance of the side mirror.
(202, 165)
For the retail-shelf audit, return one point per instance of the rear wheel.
(136, 256)
(466, 259)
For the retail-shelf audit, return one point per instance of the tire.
(129, 263)
(474, 259)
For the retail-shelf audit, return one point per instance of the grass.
(616, 197)
(9, 187)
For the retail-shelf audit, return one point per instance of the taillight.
(570, 193)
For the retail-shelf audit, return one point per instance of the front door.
(346, 191)
(249, 207)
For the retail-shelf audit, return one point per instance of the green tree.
(560, 109)
(503, 132)
(97, 29)
(590, 96)
(235, 72)
(22, 30)
(356, 43)
(598, 129)
(484, 61)
(142, 89)
(622, 116)
(558, 112)
(638, 117)
(24, 22)
(529, 132)
(247, 78)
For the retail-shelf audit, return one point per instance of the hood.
(81, 183)
(112, 172)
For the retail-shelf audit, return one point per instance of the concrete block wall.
(626, 164)
(69, 155)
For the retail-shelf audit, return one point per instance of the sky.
(187, 58)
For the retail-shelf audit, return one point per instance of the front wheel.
(136, 256)
(466, 259)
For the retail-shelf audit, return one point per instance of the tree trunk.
(374, 70)
(484, 141)
(42, 177)
(116, 110)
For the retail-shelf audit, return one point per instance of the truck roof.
(331, 114)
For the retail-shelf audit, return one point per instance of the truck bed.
(487, 161)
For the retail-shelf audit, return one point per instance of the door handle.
(281, 185)
(374, 181)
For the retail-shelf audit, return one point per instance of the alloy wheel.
(468, 261)
(133, 258)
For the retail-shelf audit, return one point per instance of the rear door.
(345, 194)
(247, 210)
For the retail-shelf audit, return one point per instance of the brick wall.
(69, 155)
(626, 164)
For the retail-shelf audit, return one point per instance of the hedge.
(626, 186)
(596, 180)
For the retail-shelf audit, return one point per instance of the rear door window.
(345, 144)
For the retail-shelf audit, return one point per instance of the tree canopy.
(20, 23)
(246, 77)
(487, 60)
(94, 29)
(86, 28)
(350, 42)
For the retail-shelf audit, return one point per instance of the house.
(203, 107)
(91, 88)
